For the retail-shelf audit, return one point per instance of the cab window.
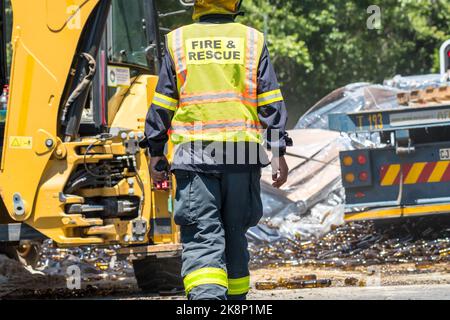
(8, 15)
(129, 40)
(5, 37)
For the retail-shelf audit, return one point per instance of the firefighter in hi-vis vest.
(217, 99)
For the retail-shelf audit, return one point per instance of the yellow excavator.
(78, 77)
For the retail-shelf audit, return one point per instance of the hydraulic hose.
(82, 86)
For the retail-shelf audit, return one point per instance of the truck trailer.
(408, 173)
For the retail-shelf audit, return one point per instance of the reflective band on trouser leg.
(165, 102)
(179, 55)
(269, 97)
(239, 286)
(205, 276)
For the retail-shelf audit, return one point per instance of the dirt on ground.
(383, 275)
(356, 258)
(370, 282)
(397, 282)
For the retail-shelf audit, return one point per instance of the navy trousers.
(214, 212)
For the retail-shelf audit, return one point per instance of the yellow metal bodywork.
(45, 37)
(131, 114)
(40, 56)
(398, 212)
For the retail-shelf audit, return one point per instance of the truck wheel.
(9, 251)
(28, 253)
(157, 274)
(25, 253)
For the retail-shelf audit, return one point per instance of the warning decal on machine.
(118, 77)
(20, 142)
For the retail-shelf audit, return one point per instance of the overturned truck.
(407, 173)
(348, 163)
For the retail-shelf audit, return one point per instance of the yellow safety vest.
(216, 67)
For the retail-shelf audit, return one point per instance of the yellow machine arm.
(41, 65)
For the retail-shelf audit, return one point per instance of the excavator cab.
(79, 78)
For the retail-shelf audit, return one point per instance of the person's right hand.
(157, 176)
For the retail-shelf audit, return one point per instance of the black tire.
(9, 251)
(159, 274)
(25, 253)
(29, 254)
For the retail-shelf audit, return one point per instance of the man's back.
(217, 88)
(216, 67)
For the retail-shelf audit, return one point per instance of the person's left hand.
(280, 171)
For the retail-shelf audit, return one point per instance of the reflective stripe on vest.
(201, 128)
(216, 68)
(239, 286)
(251, 64)
(217, 97)
(205, 276)
(179, 56)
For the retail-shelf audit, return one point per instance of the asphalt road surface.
(386, 282)
(413, 292)
(410, 292)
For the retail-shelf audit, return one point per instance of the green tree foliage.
(318, 46)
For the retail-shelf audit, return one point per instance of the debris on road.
(360, 244)
(100, 271)
(292, 283)
(94, 263)
(14, 276)
(312, 200)
(351, 281)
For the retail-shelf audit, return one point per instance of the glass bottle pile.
(361, 244)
